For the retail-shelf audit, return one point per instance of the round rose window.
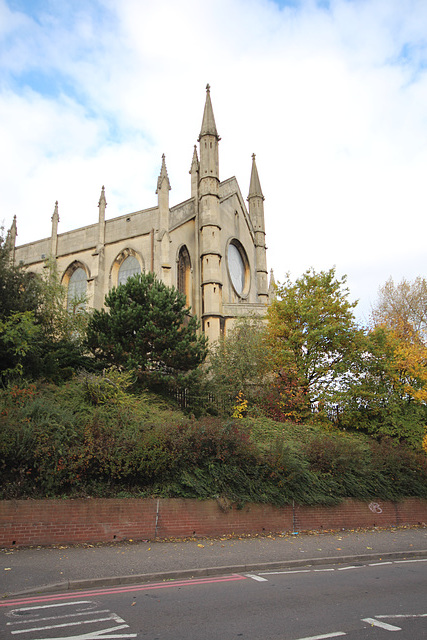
(237, 268)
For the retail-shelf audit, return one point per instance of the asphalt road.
(363, 600)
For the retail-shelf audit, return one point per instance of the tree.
(59, 322)
(403, 304)
(313, 333)
(38, 336)
(19, 295)
(387, 391)
(19, 290)
(239, 362)
(147, 328)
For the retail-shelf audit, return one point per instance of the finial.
(163, 175)
(55, 215)
(255, 186)
(194, 161)
(208, 87)
(102, 197)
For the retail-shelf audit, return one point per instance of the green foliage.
(108, 388)
(239, 363)
(380, 395)
(19, 294)
(59, 323)
(147, 328)
(19, 290)
(38, 336)
(313, 333)
(19, 336)
(79, 439)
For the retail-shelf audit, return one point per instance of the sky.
(331, 96)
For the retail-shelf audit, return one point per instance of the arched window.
(76, 293)
(128, 268)
(184, 271)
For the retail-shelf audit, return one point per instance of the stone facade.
(211, 247)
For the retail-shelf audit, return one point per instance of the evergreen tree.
(147, 328)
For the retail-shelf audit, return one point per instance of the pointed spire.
(101, 221)
(255, 185)
(11, 239)
(102, 200)
(195, 161)
(272, 287)
(208, 123)
(13, 229)
(55, 215)
(54, 233)
(163, 176)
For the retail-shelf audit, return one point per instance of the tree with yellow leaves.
(387, 392)
(313, 337)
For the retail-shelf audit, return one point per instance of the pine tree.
(147, 328)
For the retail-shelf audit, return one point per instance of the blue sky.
(330, 95)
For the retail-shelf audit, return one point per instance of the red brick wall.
(44, 522)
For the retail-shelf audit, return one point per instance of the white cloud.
(333, 102)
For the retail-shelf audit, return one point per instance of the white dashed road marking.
(382, 625)
(254, 577)
(326, 635)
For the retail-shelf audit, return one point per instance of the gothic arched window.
(128, 268)
(184, 272)
(76, 292)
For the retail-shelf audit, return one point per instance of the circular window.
(237, 267)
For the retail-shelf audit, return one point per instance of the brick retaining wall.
(44, 522)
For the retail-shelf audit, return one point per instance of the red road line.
(125, 589)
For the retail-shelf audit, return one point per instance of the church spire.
(163, 176)
(256, 214)
(163, 188)
(208, 123)
(54, 233)
(255, 185)
(102, 203)
(272, 287)
(195, 161)
(11, 240)
(194, 172)
(209, 222)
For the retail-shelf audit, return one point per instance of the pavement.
(71, 567)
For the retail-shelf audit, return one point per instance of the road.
(359, 601)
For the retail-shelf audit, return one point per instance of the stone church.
(211, 247)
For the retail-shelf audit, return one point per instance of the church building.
(211, 247)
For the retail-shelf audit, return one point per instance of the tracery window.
(184, 271)
(76, 291)
(128, 268)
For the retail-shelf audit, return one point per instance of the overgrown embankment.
(90, 437)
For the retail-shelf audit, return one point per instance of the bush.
(91, 436)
